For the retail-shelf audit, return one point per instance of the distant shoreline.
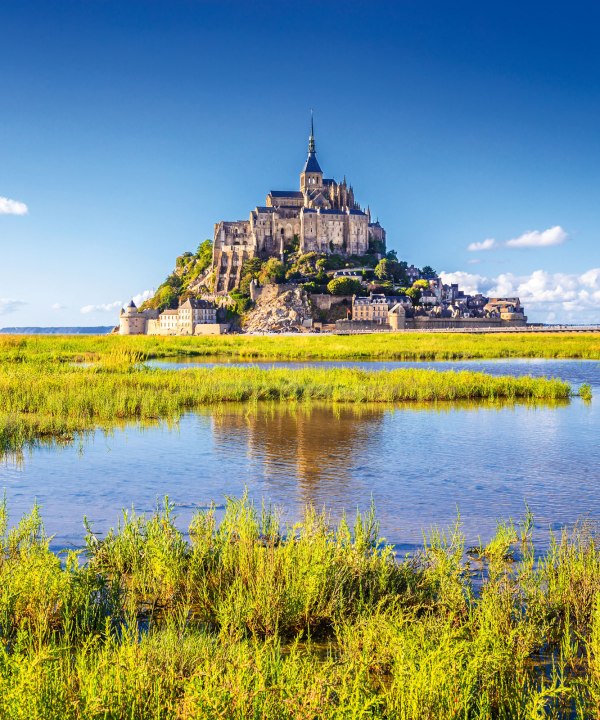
(76, 330)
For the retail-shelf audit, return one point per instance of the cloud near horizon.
(102, 307)
(12, 207)
(116, 304)
(532, 238)
(9, 305)
(547, 297)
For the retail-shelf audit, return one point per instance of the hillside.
(191, 277)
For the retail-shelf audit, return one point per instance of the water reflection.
(419, 463)
(316, 444)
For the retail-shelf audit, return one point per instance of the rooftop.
(286, 193)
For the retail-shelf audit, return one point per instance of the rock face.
(278, 312)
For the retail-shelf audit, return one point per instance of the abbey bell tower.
(311, 177)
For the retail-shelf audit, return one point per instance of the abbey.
(323, 216)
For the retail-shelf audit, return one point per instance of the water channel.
(422, 465)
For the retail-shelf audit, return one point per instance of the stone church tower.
(323, 217)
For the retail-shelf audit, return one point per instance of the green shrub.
(345, 286)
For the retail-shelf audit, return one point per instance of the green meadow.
(393, 346)
(244, 618)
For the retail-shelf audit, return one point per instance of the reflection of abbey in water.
(315, 445)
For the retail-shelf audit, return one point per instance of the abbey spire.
(311, 139)
(311, 177)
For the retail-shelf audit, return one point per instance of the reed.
(246, 618)
(392, 346)
(57, 400)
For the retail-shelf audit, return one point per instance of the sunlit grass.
(249, 618)
(394, 346)
(51, 399)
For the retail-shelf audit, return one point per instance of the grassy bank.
(40, 399)
(410, 346)
(248, 619)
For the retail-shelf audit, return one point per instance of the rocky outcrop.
(279, 312)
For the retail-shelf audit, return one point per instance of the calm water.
(420, 465)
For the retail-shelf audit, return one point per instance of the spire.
(312, 164)
(311, 139)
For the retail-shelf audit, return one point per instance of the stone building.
(194, 312)
(509, 309)
(134, 322)
(375, 307)
(192, 317)
(322, 216)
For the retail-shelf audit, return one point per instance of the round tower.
(131, 321)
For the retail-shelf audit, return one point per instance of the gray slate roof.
(312, 164)
(286, 193)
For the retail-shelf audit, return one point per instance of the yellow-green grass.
(248, 619)
(397, 346)
(40, 399)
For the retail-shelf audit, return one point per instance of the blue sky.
(127, 129)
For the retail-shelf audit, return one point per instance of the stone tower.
(311, 177)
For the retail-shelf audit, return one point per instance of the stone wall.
(428, 323)
(326, 302)
(211, 328)
(350, 327)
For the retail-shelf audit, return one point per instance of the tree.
(253, 266)
(166, 298)
(383, 270)
(392, 255)
(400, 275)
(313, 288)
(344, 286)
(204, 255)
(273, 271)
(414, 293)
(245, 284)
(428, 273)
(422, 284)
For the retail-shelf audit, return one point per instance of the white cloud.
(12, 207)
(58, 306)
(547, 297)
(8, 305)
(140, 297)
(483, 245)
(469, 282)
(117, 304)
(103, 307)
(532, 238)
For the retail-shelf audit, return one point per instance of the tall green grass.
(56, 400)
(394, 346)
(244, 618)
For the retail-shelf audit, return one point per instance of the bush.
(241, 303)
(273, 271)
(314, 288)
(344, 286)
(204, 255)
(423, 284)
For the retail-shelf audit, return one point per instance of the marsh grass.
(394, 346)
(248, 618)
(39, 399)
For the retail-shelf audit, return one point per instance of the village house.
(192, 317)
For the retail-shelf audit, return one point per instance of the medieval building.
(323, 216)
